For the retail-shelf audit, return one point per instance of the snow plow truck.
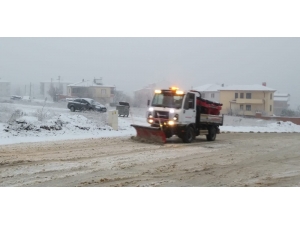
(182, 113)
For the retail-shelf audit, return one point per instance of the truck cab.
(172, 107)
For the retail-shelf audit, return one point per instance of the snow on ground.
(20, 123)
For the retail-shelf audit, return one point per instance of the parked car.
(85, 104)
(15, 97)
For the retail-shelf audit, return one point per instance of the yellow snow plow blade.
(149, 134)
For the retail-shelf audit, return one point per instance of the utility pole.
(58, 84)
(30, 91)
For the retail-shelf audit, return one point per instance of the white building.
(141, 96)
(60, 86)
(5, 88)
(281, 102)
(209, 91)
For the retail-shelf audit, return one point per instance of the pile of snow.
(274, 127)
(61, 127)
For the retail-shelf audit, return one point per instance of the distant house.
(209, 91)
(5, 88)
(247, 99)
(281, 102)
(146, 93)
(92, 89)
(60, 87)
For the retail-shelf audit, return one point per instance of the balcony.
(248, 101)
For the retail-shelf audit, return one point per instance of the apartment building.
(246, 100)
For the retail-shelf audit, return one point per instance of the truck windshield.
(167, 99)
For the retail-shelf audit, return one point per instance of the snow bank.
(277, 127)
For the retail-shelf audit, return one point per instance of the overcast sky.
(132, 63)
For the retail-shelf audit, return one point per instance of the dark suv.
(85, 104)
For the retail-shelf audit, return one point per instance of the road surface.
(234, 159)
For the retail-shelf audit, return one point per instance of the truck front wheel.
(189, 135)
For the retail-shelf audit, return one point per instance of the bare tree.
(120, 96)
(52, 92)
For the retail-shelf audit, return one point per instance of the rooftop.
(254, 87)
(88, 83)
(277, 94)
(281, 97)
(208, 87)
(163, 84)
(56, 82)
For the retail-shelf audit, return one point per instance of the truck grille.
(161, 115)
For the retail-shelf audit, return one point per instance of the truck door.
(189, 112)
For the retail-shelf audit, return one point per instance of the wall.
(295, 120)
(269, 101)
(99, 94)
(102, 94)
(279, 106)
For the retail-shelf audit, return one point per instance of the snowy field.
(22, 122)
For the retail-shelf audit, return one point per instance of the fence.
(295, 120)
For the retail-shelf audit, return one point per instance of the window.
(189, 101)
(103, 92)
(192, 101)
(271, 97)
(248, 107)
(270, 108)
(166, 99)
(84, 101)
(248, 95)
(212, 95)
(236, 95)
(241, 95)
(241, 107)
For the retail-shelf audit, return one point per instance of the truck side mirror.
(148, 102)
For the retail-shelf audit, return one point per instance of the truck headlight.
(171, 123)
(172, 110)
(151, 109)
(176, 117)
(150, 120)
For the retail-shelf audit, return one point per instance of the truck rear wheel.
(189, 135)
(212, 133)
